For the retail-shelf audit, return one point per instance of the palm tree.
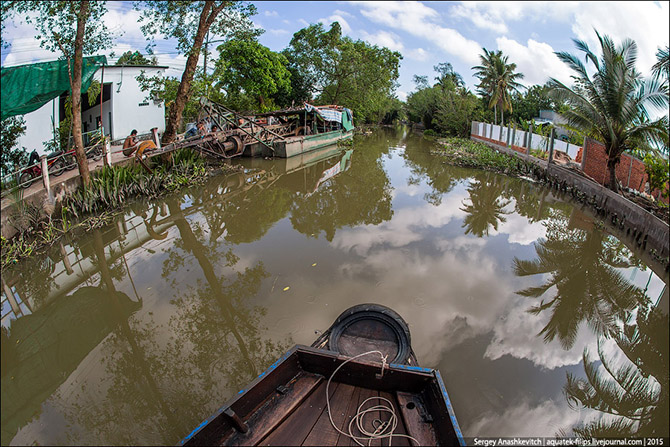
(611, 106)
(497, 80)
(661, 69)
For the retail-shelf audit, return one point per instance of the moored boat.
(359, 382)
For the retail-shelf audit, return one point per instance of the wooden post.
(513, 137)
(66, 260)
(551, 147)
(107, 152)
(157, 140)
(11, 298)
(45, 174)
(490, 131)
(530, 138)
(584, 154)
(507, 135)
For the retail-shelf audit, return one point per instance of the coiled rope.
(382, 429)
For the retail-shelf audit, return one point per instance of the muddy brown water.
(137, 332)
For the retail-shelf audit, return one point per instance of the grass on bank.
(111, 189)
(472, 154)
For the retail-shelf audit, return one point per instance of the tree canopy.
(135, 58)
(247, 67)
(339, 70)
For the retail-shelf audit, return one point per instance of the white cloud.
(384, 39)
(536, 60)
(278, 32)
(526, 419)
(401, 96)
(346, 29)
(647, 23)
(271, 14)
(421, 21)
(418, 54)
(303, 22)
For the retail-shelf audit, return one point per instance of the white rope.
(384, 429)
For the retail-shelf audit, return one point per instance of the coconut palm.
(497, 80)
(612, 105)
(661, 69)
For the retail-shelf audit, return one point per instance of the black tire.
(70, 162)
(58, 167)
(381, 315)
(25, 180)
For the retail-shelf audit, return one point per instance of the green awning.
(26, 88)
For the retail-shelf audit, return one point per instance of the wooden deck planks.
(400, 428)
(297, 426)
(323, 432)
(269, 418)
(422, 431)
(349, 414)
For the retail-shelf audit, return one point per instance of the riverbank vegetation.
(39, 226)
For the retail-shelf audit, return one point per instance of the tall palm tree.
(498, 79)
(612, 105)
(487, 208)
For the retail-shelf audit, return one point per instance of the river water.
(211, 285)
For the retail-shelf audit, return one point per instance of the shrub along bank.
(111, 189)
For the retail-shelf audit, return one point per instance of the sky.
(425, 33)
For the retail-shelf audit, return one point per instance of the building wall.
(126, 112)
(39, 127)
(129, 108)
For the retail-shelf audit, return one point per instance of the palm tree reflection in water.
(631, 395)
(583, 268)
(487, 208)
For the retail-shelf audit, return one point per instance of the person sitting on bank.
(193, 131)
(130, 144)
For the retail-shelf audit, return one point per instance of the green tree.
(136, 58)
(657, 169)
(11, 156)
(447, 78)
(421, 82)
(73, 29)
(527, 105)
(497, 80)
(188, 22)
(342, 71)
(247, 67)
(612, 104)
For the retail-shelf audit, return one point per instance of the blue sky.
(425, 33)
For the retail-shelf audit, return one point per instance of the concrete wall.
(495, 133)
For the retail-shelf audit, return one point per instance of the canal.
(138, 331)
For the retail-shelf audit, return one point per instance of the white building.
(125, 107)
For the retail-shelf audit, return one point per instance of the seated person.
(199, 130)
(34, 158)
(130, 144)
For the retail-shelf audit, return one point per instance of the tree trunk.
(75, 85)
(611, 167)
(177, 109)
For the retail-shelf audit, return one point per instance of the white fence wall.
(537, 141)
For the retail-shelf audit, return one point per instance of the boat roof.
(300, 109)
